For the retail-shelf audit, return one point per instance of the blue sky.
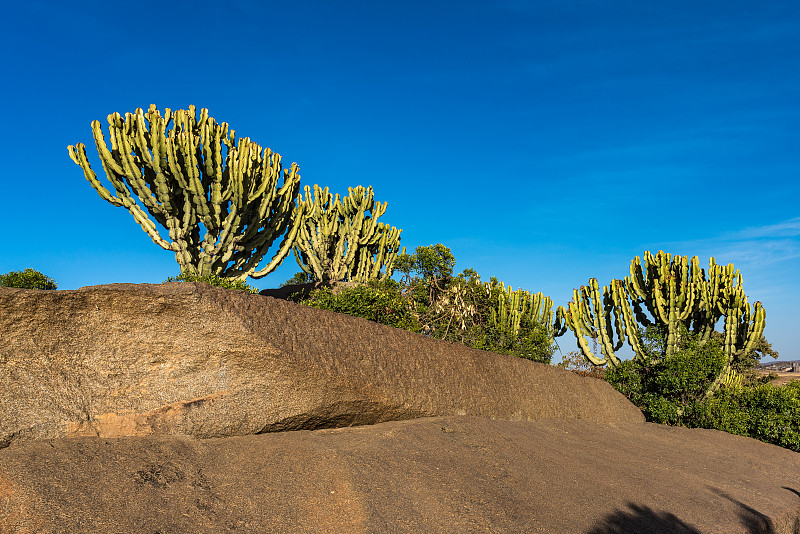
(544, 142)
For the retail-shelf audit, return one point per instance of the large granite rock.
(432, 475)
(518, 446)
(191, 359)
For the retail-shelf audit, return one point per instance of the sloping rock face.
(191, 359)
(431, 475)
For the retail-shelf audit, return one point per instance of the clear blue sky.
(544, 142)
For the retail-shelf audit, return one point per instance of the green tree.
(747, 361)
(27, 279)
(428, 271)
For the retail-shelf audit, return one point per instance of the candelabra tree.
(670, 288)
(520, 323)
(743, 325)
(192, 175)
(341, 238)
(678, 296)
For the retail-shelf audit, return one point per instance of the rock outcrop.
(191, 359)
(105, 390)
(432, 475)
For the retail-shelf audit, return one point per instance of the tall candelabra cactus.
(678, 296)
(341, 238)
(514, 306)
(197, 175)
(743, 326)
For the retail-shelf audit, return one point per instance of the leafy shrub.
(379, 300)
(763, 412)
(214, 280)
(672, 391)
(667, 389)
(27, 279)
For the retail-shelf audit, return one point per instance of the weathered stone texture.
(431, 475)
(103, 391)
(191, 359)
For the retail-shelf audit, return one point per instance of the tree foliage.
(429, 299)
(429, 270)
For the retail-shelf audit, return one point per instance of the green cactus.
(743, 328)
(376, 258)
(669, 288)
(514, 306)
(198, 174)
(341, 238)
(678, 296)
(588, 314)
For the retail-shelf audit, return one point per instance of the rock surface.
(191, 359)
(432, 475)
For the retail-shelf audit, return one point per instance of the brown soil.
(783, 378)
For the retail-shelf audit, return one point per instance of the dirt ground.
(783, 378)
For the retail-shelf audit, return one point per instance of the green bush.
(672, 391)
(763, 412)
(430, 300)
(379, 300)
(214, 280)
(532, 342)
(667, 389)
(27, 279)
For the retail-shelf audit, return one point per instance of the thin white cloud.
(789, 228)
(756, 246)
(765, 255)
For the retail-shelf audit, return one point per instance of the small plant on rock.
(214, 280)
(27, 279)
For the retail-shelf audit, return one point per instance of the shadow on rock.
(642, 520)
(754, 521)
